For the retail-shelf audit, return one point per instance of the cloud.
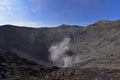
(5, 2)
(6, 8)
(36, 5)
(2, 17)
(14, 12)
(27, 24)
(23, 23)
(6, 5)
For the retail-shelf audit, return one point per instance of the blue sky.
(47, 13)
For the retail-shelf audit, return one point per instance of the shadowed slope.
(96, 45)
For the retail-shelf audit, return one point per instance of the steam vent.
(66, 52)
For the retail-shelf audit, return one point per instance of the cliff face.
(97, 45)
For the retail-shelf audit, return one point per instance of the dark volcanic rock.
(83, 74)
(97, 44)
(13, 67)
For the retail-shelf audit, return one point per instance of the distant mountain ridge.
(98, 44)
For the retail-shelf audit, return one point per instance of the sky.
(51, 13)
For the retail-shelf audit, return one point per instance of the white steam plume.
(59, 56)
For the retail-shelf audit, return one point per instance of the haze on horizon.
(46, 13)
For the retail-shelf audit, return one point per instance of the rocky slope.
(13, 67)
(97, 45)
(83, 74)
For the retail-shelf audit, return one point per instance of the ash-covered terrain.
(13, 67)
(79, 51)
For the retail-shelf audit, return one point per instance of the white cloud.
(37, 5)
(2, 17)
(27, 24)
(23, 23)
(5, 5)
(12, 13)
(5, 2)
